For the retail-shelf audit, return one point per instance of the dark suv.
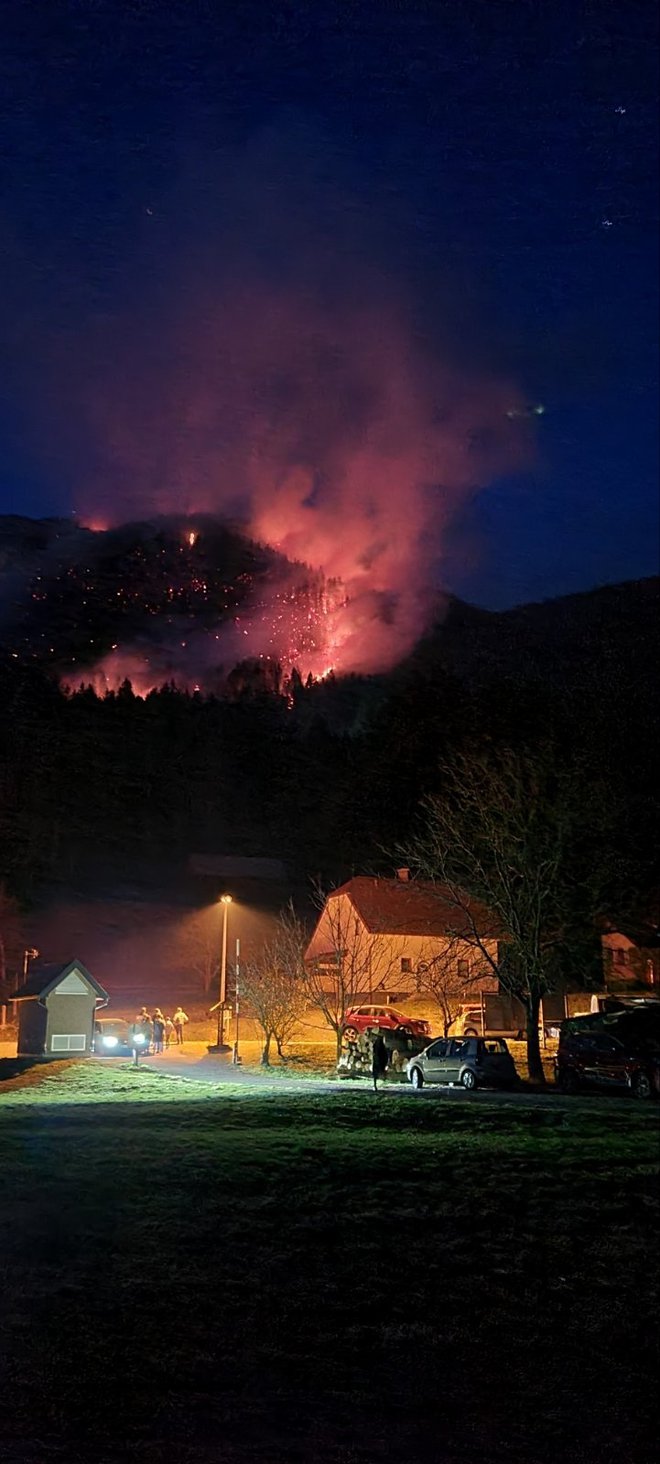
(615, 1051)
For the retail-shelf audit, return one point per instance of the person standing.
(179, 1021)
(144, 1025)
(169, 1031)
(378, 1060)
(158, 1022)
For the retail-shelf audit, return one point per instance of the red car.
(359, 1019)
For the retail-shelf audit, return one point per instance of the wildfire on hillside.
(297, 624)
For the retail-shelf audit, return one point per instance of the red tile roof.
(413, 907)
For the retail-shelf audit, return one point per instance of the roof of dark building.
(44, 975)
(227, 866)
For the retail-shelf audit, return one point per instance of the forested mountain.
(327, 776)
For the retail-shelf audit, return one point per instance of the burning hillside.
(175, 600)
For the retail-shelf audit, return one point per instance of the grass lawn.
(188, 1276)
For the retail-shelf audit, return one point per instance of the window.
(463, 969)
(406, 965)
(68, 1042)
(463, 1046)
(620, 956)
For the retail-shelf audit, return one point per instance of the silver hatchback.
(468, 1062)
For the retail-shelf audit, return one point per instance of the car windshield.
(638, 1024)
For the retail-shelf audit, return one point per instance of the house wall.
(625, 963)
(32, 1019)
(380, 962)
(72, 1015)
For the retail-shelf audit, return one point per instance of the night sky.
(497, 160)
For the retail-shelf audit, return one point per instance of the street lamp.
(225, 901)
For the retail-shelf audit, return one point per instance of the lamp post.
(225, 901)
(235, 1055)
(28, 955)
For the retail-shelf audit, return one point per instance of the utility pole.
(235, 1055)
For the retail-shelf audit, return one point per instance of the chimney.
(403, 875)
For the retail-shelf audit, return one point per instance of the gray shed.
(56, 1009)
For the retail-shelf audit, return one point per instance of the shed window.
(463, 970)
(406, 964)
(620, 956)
(68, 1042)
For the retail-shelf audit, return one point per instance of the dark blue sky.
(500, 155)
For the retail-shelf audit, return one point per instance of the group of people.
(159, 1031)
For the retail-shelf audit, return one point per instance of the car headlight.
(110, 1041)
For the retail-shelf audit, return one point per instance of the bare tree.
(200, 948)
(272, 984)
(441, 977)
(504, 833)
(354, 962)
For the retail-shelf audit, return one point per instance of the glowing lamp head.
(139, 1039)
(225, 899)
(110, 1041)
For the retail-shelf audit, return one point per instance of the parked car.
(112, 1038)
(470, 1062)
(468, 1022)
(611, 1051)
(497, 1017)
(360, 1019)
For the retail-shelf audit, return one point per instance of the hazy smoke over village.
(293, 388)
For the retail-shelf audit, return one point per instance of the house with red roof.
(387, 932)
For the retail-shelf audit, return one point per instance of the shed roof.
(415, 907)
(45, 975)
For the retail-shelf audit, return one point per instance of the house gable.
(46, 978)
(72, 985)
(402, 910)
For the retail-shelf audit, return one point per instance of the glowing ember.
(297, 627)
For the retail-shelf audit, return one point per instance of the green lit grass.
(342, 1278)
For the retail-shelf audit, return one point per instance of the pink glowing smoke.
(324, 425)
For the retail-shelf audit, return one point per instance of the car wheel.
(417, 1079)
(642, 1086)
(468, 1080)
(350, 1034)
(568, 1081)
(470, 1032)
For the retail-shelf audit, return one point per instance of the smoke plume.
(281, 375)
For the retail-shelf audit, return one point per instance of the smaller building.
(631, 959)
(56, 1010)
